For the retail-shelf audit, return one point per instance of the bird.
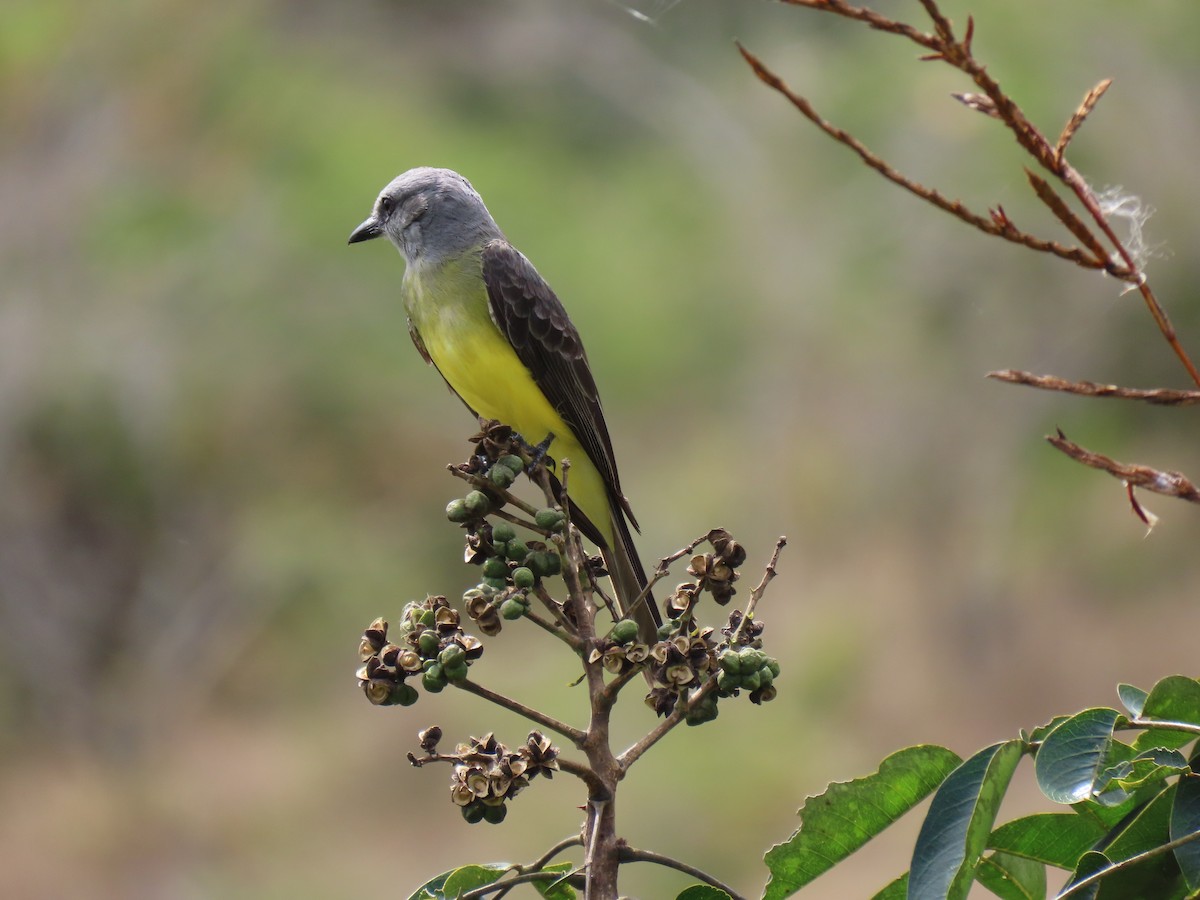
(479, 313)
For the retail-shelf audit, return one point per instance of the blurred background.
(220, 456)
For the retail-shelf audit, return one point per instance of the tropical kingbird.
(480, 313)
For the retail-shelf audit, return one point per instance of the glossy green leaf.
(1055, 839)
(955, 831)
(1012, 877)
(848, 814)
(450, 884)
(1072, 759)
(1185, 821)
(557, 890)
(1157, 763)
(1132, 698)
(1156, 877)
(1176, 698)
(702, 892)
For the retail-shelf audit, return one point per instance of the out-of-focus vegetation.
(219, 455)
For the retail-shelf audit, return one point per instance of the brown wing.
(533, 319)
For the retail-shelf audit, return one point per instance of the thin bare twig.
(574, 735)
(1000, 226)
(1080, 115)
(760, 588)
(1051, 157)
(632, 854)
(1157, 396)
(1170, 484)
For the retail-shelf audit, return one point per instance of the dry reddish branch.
(1157, 396)
(1085, 108)
(995, 224)
(944, 46)
(1172, 484)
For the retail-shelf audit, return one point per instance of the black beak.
(368, 230)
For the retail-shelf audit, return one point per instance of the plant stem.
(631, 854)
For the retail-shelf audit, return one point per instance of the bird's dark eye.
(385, 206)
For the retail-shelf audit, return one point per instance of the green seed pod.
(512, 608)
(665, 630)
(523, 577)
(456, 672)
(624, 631)
(501, 476)
(456, 510)
(765, 676)
(474, 812)
(773, 665)
(516, 550)
(427, 618)
(550, 519)
(752, 660)
(434, 679)
(512, 462)
(428, 643)
(727, 683)
(496, 583)
(753, 681)
(730, 662)
(495, 567)
(452, 655)
(494, 815)
(551, 563)
(502, 532)
(404, 695)
(477, 503)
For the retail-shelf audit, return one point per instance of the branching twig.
(632, 854)
(663, 728)
(1171, 484)
(756, 594)
(574, 735)
(1157, 396)
(994, 224)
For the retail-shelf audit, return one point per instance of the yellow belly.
(481, 366)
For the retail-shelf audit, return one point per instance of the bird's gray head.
(430, 215)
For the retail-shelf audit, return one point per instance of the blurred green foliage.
(219, 455)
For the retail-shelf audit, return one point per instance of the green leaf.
(1185, 820)
(895, 890)
(1055, 839)
(1174, 699)
(450, 884)
(468, 878)
(557, 890)
(955, 831)
(703, 892)
(1072, 759)
(1039, 733)
(1157, 877)
(1012, 877)
(1132, 698)
(1156, 763)
(848, 814)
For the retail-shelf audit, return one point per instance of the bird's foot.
(537, 452)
